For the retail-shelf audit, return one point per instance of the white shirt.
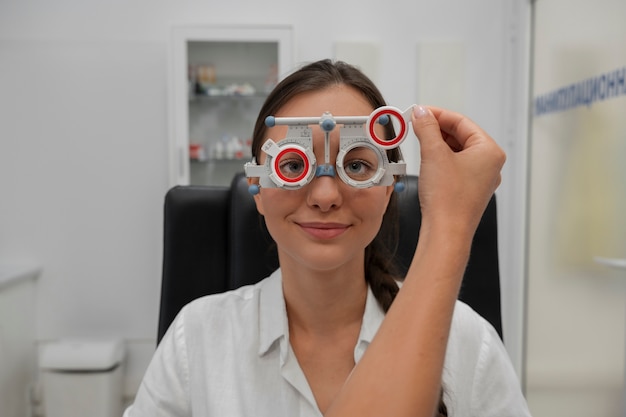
(228, 355)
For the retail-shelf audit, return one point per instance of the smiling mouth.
(324, 230)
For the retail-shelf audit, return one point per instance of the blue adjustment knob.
(328, 125)
(270, 121)
(399, 186)
(253, 189)
(383, 120)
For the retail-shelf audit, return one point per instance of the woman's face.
(326, 224)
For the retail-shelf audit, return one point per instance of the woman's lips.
(324, 230)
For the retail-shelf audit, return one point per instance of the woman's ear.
(257, 197)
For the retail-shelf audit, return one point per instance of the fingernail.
(420, 111)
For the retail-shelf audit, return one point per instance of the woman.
(310, 339)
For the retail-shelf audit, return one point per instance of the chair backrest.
(215, 240)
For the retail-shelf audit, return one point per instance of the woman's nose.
(324, 193)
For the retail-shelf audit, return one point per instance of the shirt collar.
(372, 318)
(272, 312)
(273, 317)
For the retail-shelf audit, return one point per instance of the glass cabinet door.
(221, 76)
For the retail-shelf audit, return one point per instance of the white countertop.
(14, 272)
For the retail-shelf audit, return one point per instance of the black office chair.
(214, 240)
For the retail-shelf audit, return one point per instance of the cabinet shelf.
(221, 77)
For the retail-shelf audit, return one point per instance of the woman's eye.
(361, 163)
(358, 169)
(355, 166)
(292, 167)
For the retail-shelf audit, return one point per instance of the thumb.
(426, 128)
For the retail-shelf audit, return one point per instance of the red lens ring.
(387, 143)
(304, 172)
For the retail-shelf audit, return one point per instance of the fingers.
(460, 165)
(456, 129)
(426, 127)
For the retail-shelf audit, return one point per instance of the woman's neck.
(324, 302)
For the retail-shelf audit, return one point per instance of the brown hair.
(380, 271)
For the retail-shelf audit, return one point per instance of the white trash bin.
(82, 378)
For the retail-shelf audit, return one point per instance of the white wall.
(84, 134)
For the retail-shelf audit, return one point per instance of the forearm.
(400, 373)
